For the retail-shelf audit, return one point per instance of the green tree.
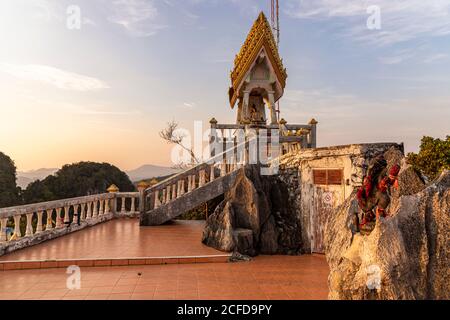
(9, 192)
(433, 157)
(77, 180)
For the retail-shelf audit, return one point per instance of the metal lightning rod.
(275, 24)
(275, 20)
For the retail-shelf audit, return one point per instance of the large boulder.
(407, 254)
(257, 216)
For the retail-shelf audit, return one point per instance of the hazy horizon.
(103, 92)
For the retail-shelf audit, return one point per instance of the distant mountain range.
(24, 178)
(150, 171)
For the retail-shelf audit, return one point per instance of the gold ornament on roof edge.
(259, 36)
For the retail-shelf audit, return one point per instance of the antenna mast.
(275, 20)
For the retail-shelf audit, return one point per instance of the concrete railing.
(26, 225)
(187, 181)
(293, 137)
(241, 149)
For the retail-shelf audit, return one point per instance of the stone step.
(114, 262)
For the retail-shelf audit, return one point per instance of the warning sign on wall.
(327, 199)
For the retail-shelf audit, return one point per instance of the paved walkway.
(274, 277)
(121, 239)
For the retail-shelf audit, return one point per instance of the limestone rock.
(256, 216)
(407, 254)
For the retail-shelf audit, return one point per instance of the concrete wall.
(315, 202)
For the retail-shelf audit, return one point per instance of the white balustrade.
(86, 210)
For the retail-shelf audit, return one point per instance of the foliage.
(76, 180)
(433, 157)
(9, 192)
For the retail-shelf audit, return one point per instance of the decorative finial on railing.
(282, 121)
(113, 189)
(313, 122)
(142, 185)
(213, 121)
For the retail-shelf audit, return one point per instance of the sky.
(103, 91)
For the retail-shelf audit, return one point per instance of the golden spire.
(259, 36)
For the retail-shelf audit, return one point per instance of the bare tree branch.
(171, 136)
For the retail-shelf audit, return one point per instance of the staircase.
(206, 181)
(189, 189)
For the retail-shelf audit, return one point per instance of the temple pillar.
(313, 134)
(245, 107)
(273, 111)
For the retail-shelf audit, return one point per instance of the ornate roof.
(259, 36)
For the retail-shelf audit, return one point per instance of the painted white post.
(89, 211)
(75, 214)
(174, 191)
(49, 224)
(168, 194)
(29, 230)
(59, 219)
(95, 215)
(107, 208)
(164, 196)
(157, 202)
(313, 134)
(182, 187)
(189, 184)
(39, 227)
(102, 207)
(123, 208)
(83, 212)
(3, 223)
(133, 204)
(66, 215)
(201, 182)
(223, 168)
(193, 182)
(212, 174)
(17, 233)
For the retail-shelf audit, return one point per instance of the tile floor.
(266, 277)
(121, 239)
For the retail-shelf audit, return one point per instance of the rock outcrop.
(256, 217)
(407, 254)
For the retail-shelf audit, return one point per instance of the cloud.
(138, 17)
(398, 57)
(95, 110)
(436, 57)
(189, 105)
(401, 20)
(55, 77)
(348, 118)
